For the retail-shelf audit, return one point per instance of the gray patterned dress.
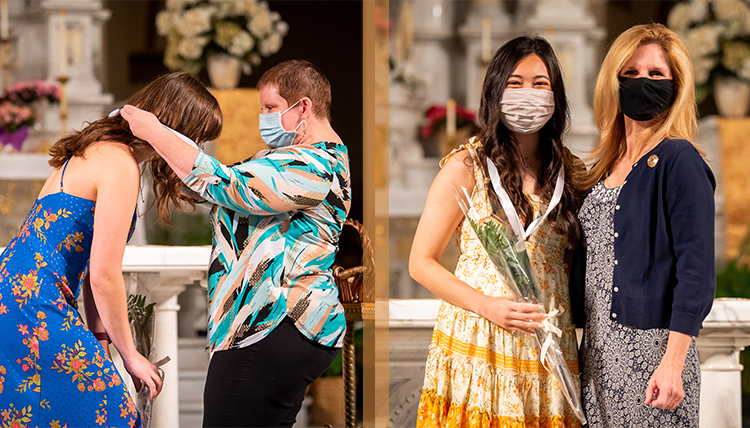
(618, 361)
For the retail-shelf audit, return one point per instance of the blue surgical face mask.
(273, 133)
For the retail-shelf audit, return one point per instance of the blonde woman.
(648, 225)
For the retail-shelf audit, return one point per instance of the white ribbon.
(550, 329)
(510, 210)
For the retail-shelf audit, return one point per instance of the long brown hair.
(678, 121)
(501, 147)
(179, 101)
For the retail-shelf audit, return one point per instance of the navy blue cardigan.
(664, 247)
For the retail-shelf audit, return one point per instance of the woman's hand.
(143, 124)
(665, 387)
(515, 316)
(142, 371)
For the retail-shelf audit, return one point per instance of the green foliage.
(500, 247)
(733, 281)
(186, 229)
(141, 318)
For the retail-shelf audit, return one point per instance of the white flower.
(255, 59)
(192, 47)
(246, 68)
(270, 45)
(679, 18)
(222, 8)
(242, 43)
(702, 41)
(195, 21)
(744, 72)
(261, 23)
(164, 22)
(282, 27)
(702, 68)
(245, 7)
(698, 10)
(726, 10)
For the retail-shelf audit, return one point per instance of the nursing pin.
(652, 160)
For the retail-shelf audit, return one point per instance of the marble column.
(502, 29)
(572, 30)
(162, 273)
(726, 332)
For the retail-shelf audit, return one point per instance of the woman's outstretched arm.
(117, 178)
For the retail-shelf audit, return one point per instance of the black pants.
(263, 385)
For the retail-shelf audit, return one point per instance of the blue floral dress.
(53, 371)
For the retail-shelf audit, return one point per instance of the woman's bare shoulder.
(111, 157)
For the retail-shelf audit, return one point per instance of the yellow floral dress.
(480, 375)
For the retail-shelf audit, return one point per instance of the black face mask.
(643, 98)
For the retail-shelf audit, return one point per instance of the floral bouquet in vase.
(507, 252)
(141, 317)
(14, 121)
(236, 32)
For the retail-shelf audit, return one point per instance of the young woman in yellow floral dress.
(483, 369)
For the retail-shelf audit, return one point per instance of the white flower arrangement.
(244, 29)
(717, 33)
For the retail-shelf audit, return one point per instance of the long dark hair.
(181, 102)
(501, 147)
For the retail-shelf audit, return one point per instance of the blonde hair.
(678, 121)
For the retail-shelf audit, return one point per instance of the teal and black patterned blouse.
(276, 223)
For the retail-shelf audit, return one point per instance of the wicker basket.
(356, 285)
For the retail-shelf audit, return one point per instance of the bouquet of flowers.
(141, 317)
(25, 93)
(717, 34)
(14, 121)
(435, 118)
(507, 251)
(244, 29)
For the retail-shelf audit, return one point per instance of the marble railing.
(161, 274)
(726, 331)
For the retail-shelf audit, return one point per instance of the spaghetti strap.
(63, 175)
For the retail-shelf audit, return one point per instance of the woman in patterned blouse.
(275, 321)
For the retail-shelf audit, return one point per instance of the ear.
(307, 107)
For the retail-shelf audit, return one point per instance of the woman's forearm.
(436, 278)
(111, 302)
(677, 349)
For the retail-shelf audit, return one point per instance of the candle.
(486, 40)
(4, 29)
(62, 42)
(450, 118)
(407, 18)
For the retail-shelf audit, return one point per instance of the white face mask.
(526, 110)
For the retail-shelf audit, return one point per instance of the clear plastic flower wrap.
(507, 252)
(141, 317)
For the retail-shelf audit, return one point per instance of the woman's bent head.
(179, 101)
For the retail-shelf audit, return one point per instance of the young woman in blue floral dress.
(55, 371)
